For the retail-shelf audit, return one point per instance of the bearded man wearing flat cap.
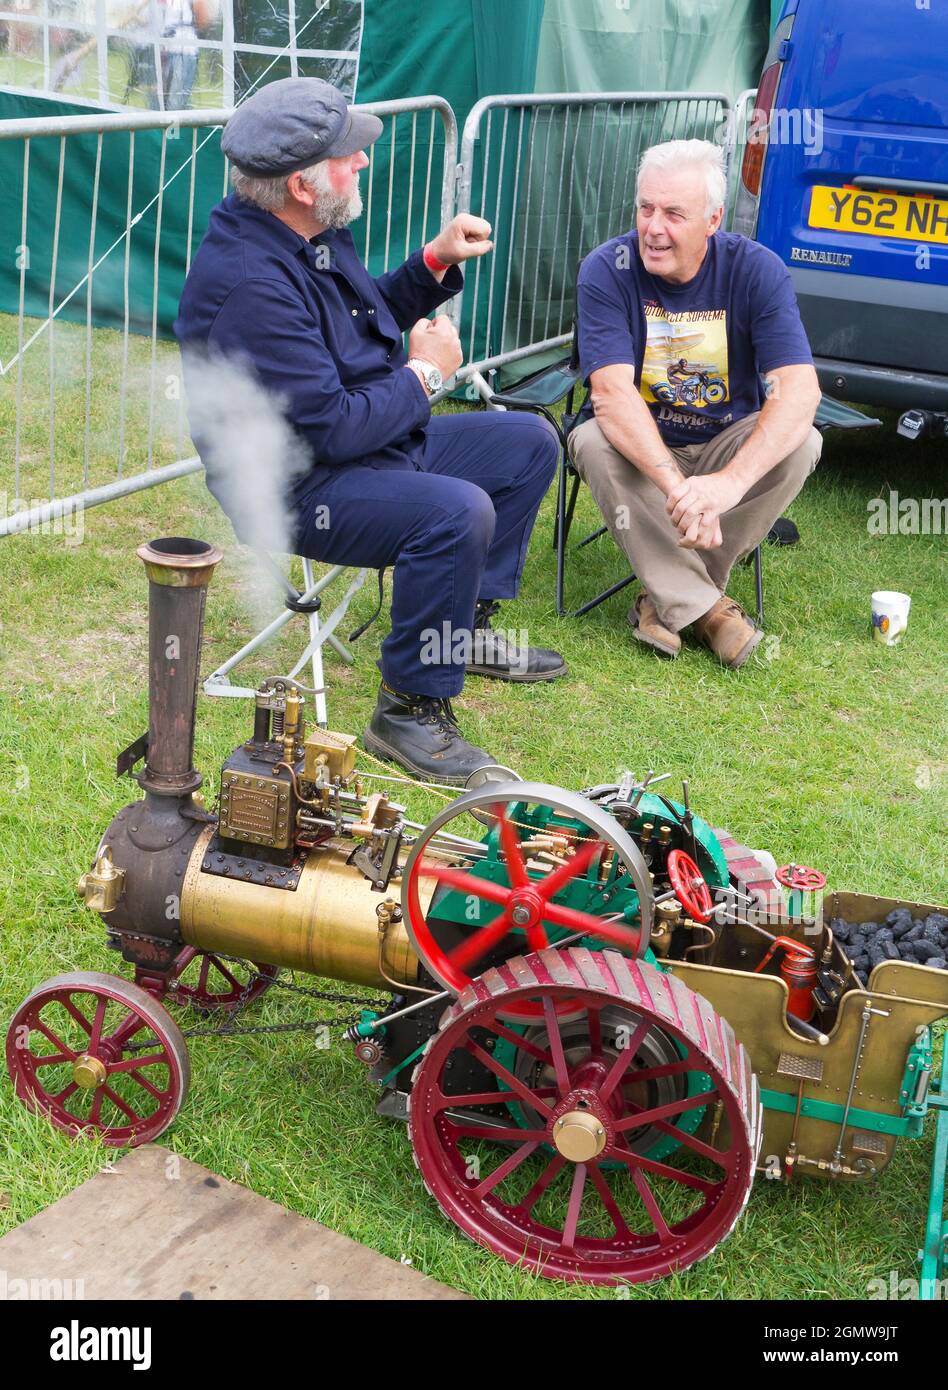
(449, 501)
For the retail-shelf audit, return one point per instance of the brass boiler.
(333, 924)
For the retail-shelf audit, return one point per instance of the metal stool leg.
(332, 639)
(319, 681)
(218, 683)
(593, 536)
(320, 633)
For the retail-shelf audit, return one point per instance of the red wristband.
(432, 262)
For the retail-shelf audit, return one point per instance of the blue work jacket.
(325, 338)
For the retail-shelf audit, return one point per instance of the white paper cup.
(890, 612)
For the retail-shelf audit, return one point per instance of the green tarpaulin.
(665, 45)
(459, 49)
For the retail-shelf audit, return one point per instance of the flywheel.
(552, 865)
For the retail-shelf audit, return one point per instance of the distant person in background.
(179, 21)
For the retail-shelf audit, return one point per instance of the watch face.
(435, 379)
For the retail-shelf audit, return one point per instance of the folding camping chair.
(321, 630)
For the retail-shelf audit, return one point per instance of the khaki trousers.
(684, 584)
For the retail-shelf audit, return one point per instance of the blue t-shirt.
(700, 350)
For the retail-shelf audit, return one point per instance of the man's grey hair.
(701, 154)
(270, 193)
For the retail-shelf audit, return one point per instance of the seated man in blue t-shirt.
(699, 429)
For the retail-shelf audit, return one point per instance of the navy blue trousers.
(456, 531)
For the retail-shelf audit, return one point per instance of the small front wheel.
(208, 982)
(98, 1055)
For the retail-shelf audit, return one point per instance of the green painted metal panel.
(934, 1258)
(898, 1125)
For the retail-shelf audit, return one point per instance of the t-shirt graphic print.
(685, 359)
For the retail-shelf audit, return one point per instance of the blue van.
(845, 177)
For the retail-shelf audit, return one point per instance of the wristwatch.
(430, 374)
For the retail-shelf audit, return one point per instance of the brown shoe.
(648, 627)
(729, 632)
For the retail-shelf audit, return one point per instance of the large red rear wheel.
(96, 1054)
(573, 1195)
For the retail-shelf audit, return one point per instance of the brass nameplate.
(255, 809)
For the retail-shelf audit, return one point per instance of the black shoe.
(493, 655)
(783, 532)
(420, 733)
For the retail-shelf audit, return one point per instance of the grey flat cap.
(292, 123)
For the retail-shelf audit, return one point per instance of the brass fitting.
(293, 725)
(336, 753)
(669, 913)
(392, 939)
(377, 814)
(101, 888)
(579, 1136)
(835, 1167)
(660, 940)
(668, 916)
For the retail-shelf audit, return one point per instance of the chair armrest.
(548, 386)
(833, 414)
(512, 403)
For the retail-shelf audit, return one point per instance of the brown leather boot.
(648, 627)
(729, 632)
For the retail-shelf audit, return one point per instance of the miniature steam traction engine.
(601, 1016)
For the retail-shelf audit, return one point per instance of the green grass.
(826, 748)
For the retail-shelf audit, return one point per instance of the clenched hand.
(463, 238)
(436, 340)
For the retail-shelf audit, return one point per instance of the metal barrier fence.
(736, 144)
(90, 382)
(555, 176)
(105, 212)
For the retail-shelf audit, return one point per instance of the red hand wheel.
(691, 890)
(801, 877)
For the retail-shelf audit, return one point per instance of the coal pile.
(919, 941)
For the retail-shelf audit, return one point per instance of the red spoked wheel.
(571, 1197)
(800, 876)
(74, 1053)
(691, 888)
(207, 982)
(519, 902)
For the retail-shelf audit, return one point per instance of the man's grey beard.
(331, 209)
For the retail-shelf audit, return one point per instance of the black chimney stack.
(179, 571)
